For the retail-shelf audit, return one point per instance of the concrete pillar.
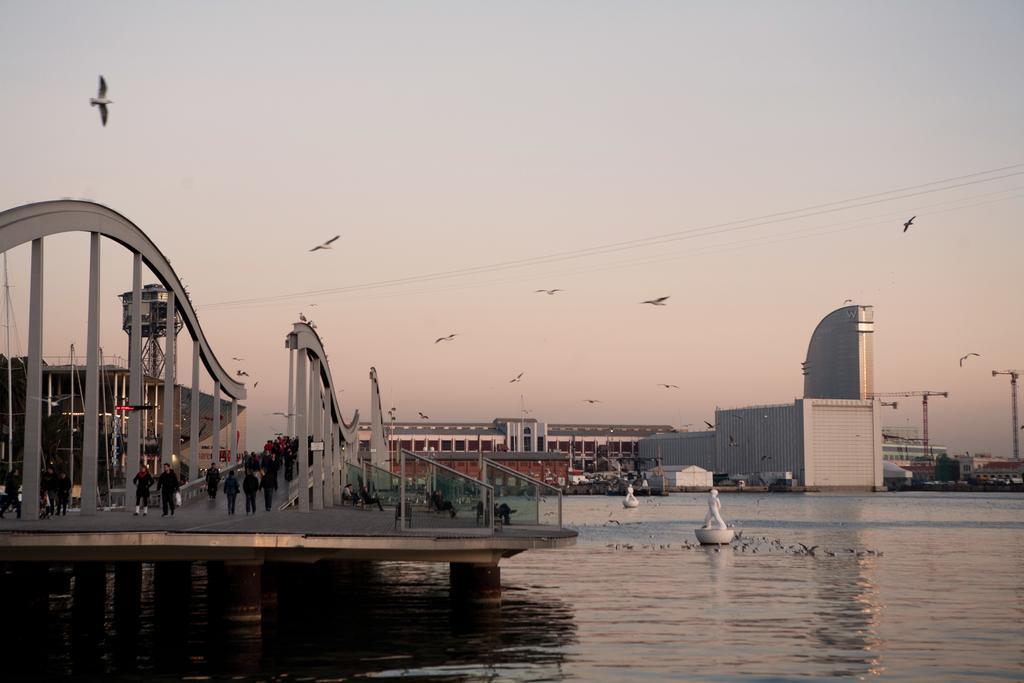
(135, 417)
(89, 595)
(243, 592)
(127, 588)
(316, 412)
(26, 606)
(480, 583)
(269, 585)
(215, 445)
(291, 392)
(234, 430)
(34, 389)
(90, 443)
(302, 428)
(193, 438)
(167, 442)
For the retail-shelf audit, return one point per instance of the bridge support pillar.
(34, 388)
(127, 589)
(478, 583)
(88, 603)
(302, 427)
(90, 445)
(243, 592)
(27, 603)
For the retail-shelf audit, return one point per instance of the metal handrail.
(508, 470)
(195, 488)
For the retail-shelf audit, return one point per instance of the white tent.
(690, 477)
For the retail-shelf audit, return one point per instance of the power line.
(690, 233)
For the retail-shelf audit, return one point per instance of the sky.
(510, 142)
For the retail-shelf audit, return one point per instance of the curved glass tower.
(840, 360)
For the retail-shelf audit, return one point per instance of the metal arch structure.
(32, 223)
(315, 411)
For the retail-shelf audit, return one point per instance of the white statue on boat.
(715, 531)
(631, 501)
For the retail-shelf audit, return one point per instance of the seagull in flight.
(549, 292)
(660, 301)
(327, 244)
(907, 225)
(255, 384)
(669, 386)
(710, 426)
(516, 378)
(424, 417)
(450, 337)
(963, 358)
(591, 401)
(236, 358)
(101, 100)
(285, 414)
(241, 373)
(848, 301)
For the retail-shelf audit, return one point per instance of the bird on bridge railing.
(327, 244)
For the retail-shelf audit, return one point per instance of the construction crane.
(924, 410)
(1014, 375)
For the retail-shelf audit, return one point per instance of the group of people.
(361, 497)
(10, 498)
(260, 474)
(54, 493)
(167, 484)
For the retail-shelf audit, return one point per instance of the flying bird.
(549, 292)
(424, 417)
(848, 301)
(591, 401)
(732, 441)
(963, 358)
(241, 373)
(285, 414)
(327, 244)
(303, 318)
(255, 384)
(237, 358)
(710, 426)
(669, 386)
(516, 378)
(908, 223)
(450, 337)
(660, 301)
(101, 100)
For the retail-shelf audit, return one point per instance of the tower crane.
(924, 409)
(1014, 375)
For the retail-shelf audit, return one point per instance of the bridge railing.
(530, 501)
(438, 497)
(386, 486)
(196, 488)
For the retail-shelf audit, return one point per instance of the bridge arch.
(314, 411)
(32, 223)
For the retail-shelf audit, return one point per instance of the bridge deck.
(202, 531)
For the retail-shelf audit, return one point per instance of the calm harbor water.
(939, 597)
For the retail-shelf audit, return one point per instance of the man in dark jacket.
(11, 494)
(231, 491)
(269, 481)
(250, 485)
(168, 486)
(48, 485)
(63, 493)
(143, 481)
(212, 481)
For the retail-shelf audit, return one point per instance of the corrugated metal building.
(681, 449)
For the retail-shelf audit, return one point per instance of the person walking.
(11, 494)
(212, 481)
(250, 485)
(168, 485)
(231, 491)
(49, 487)
(143, 481)
(63, 493)
(269, 481)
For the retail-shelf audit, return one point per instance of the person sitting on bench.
(439, 504)
(369, 499)
(504, 513)
(348, 493)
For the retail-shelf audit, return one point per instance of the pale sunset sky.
(513, 142)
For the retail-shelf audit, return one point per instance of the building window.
(460, 444)
(419, 444)
(488, 446)
(446, 445)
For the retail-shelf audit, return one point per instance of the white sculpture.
(631, 501)
(713, 518)
(715, 531)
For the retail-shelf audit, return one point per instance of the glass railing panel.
(384, 485)
(523, 500)
(438, 497)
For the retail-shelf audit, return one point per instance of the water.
(940, 596)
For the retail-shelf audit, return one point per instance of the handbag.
(177, 498)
